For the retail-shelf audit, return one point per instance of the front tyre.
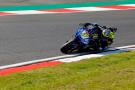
(70, 47)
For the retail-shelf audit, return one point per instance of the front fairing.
(83, 35)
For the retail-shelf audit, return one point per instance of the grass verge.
(112, 72)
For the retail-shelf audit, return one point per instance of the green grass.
(112, 72)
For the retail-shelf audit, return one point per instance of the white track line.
(36, 61)
(129, 5)
(93, 9)
(70, 58)
(74, 59)
(25, 12)
(129, 46)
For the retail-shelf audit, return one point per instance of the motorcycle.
(74, 45)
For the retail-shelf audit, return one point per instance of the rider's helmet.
(113, 29)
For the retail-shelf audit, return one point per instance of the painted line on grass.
(35, 64)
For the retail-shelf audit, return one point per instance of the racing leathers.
(107, 36)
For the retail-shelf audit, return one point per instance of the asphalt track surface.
(31, 37)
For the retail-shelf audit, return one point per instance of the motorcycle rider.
(108, 35)
(101, 36)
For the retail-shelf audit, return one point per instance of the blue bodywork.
(83, 36)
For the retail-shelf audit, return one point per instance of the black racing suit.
(95, 33)
(101, 40)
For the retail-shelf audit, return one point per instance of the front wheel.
(70, 47)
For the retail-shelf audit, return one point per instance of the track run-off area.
(31, 35)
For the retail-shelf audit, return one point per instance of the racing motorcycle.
(74, 45)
